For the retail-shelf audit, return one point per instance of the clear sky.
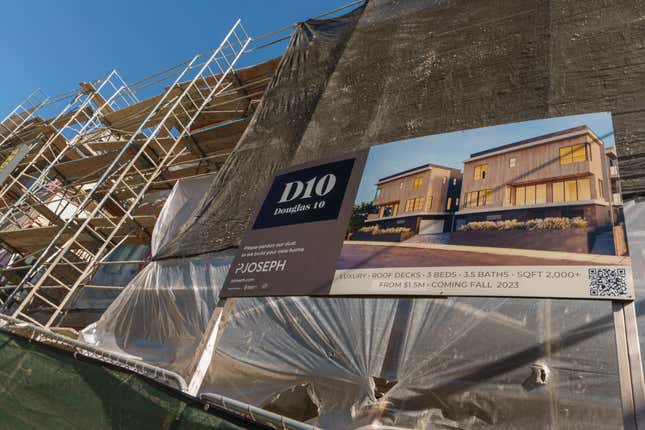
(451, 149)
(53, 45)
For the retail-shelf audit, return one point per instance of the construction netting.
(389, 71)
(271, 139)
(46, 388)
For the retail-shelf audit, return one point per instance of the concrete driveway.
(384, 254)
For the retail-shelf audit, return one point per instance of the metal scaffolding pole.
(34, 181)
(159, 140)
(19, 117)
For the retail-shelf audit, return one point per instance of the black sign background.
(266, 218)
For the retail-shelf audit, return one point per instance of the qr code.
(607, 282)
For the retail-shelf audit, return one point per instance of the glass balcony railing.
(613, 170)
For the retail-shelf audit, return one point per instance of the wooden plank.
(131, 117)
(143, 220)
(34, 239)
(97, 98)
(208, 344)
(82, 116)
(221, 137)
(91, 168)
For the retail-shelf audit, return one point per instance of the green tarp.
(45, 388)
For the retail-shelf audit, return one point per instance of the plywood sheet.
(34, 239)
(91, 168)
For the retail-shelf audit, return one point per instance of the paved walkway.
(357, 254)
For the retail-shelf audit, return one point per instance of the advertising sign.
(527, 209)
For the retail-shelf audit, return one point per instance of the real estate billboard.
(528, 209)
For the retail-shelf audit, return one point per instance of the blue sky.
(451, 149)
(53, 45)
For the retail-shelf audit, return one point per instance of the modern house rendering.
(569, 173)
(422, 199)
(566, 177)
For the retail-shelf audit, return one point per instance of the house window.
(471, 199)
(448, 203)
(418, 204)
(479, 198)
(530, 194)
(601, 189)
(573, 153)
(520, 196)
(429, 204)
(540, 193)
(508, 199)
(457, 203)
(409, 205)
(481, 171)
(379, 192)
(584, 189)
(389, 210)
(572, 190)
(444, 180)
(558, 192)
(418, 182)
(454, 182)
(512, 162)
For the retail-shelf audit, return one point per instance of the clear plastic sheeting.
(182, 201)
(104, 285)
(110, 279)
(635, 221)
(422, 363)
(161, 316)
(163, 313)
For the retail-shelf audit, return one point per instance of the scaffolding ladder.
(123, 183)
(32, 195)
(32, 180)
(19, 117)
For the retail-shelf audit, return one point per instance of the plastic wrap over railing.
(161, 316)
(422, 363)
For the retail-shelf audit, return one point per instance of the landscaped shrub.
(552, 223)
(376, 230)
(393, 230)
(370, 229)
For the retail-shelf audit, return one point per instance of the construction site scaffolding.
(92, 178)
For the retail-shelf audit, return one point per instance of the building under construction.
(86, 185)
(121, 205)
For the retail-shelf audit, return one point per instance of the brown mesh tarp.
(411, 68)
